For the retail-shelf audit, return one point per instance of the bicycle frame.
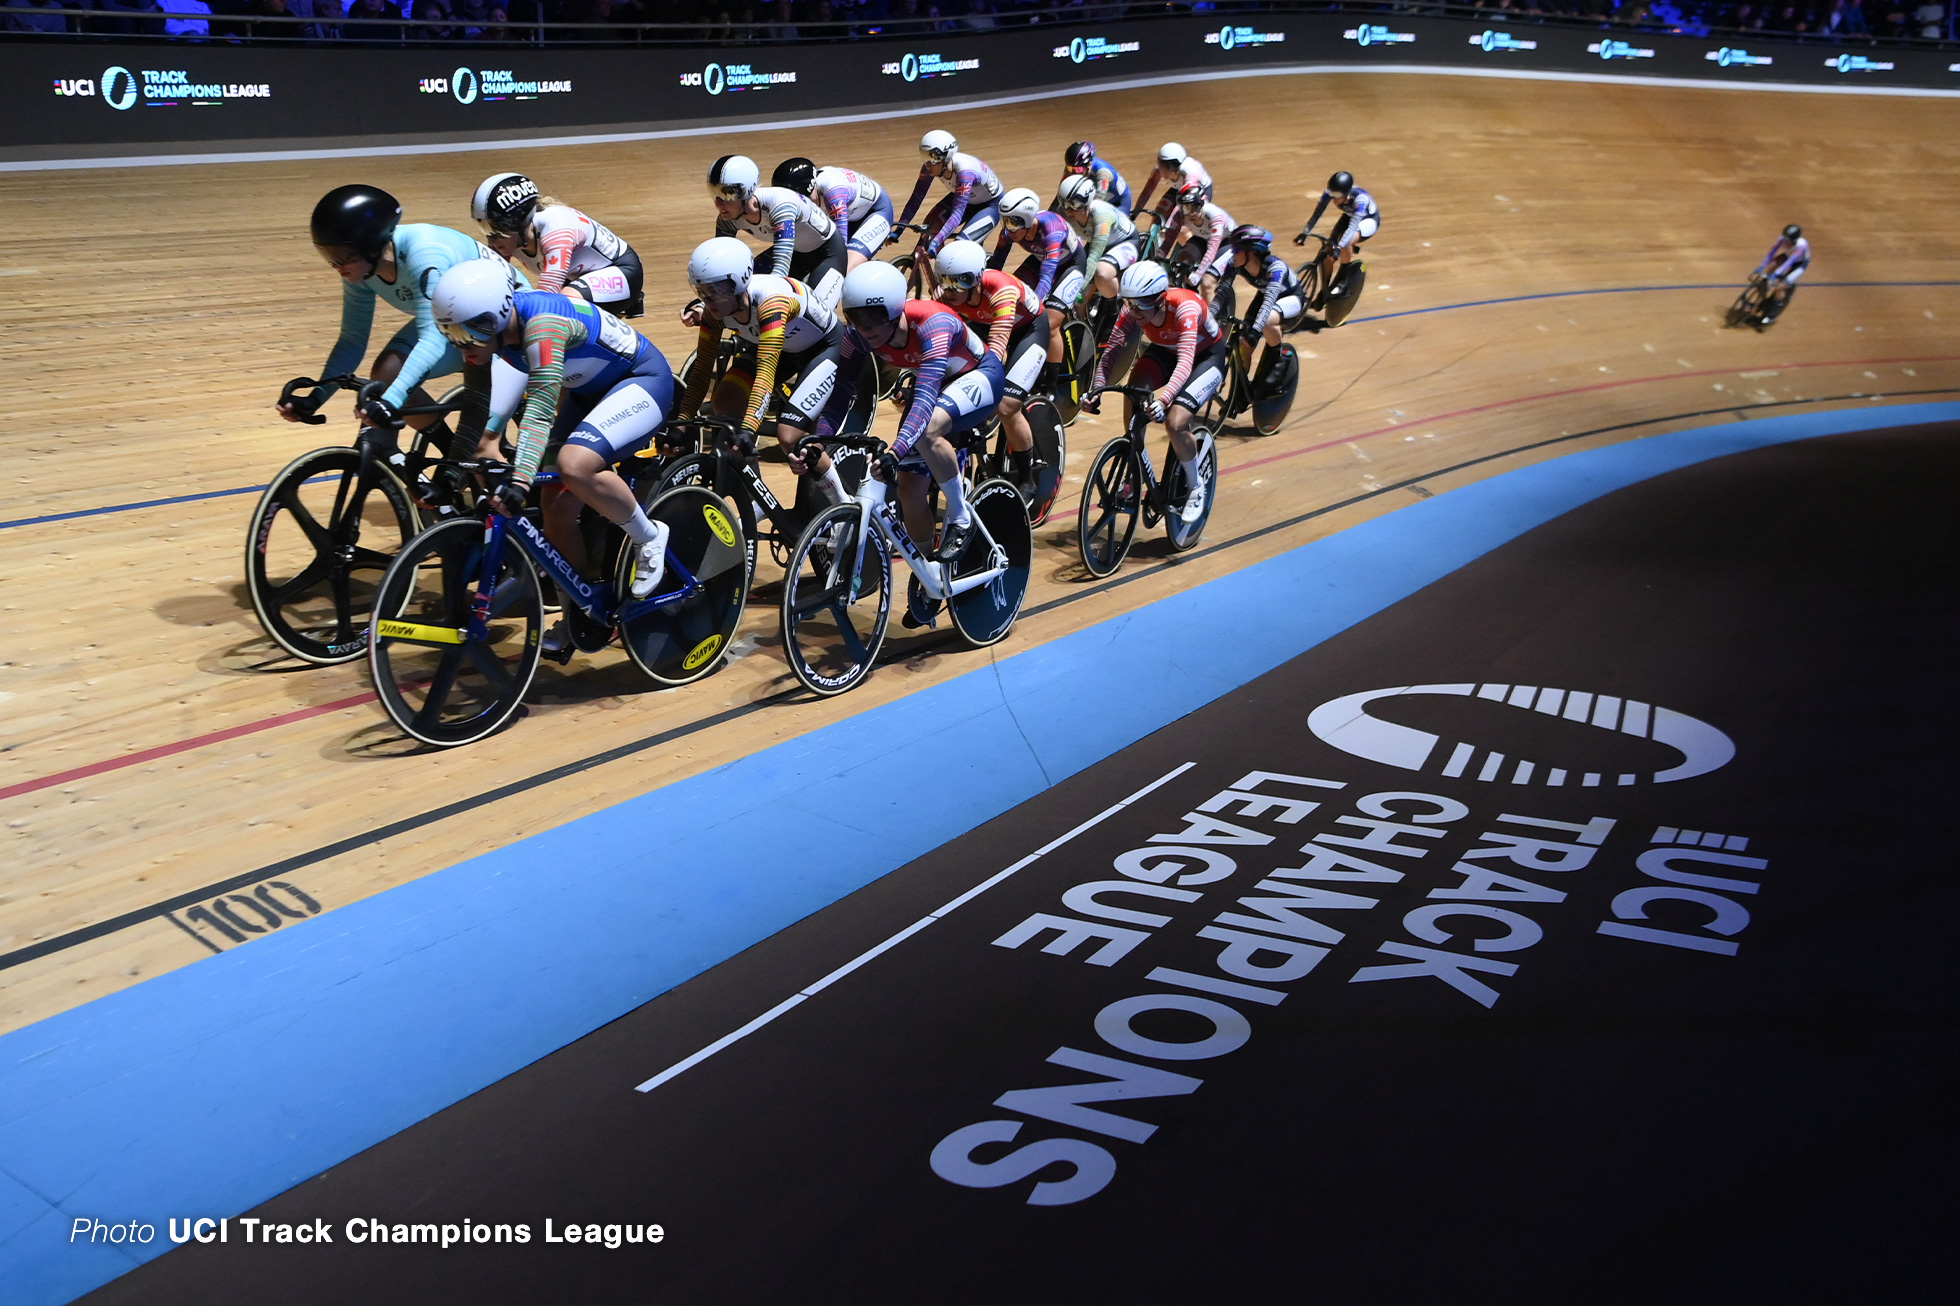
(935, 577)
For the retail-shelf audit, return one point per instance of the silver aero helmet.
(504, 203)
(1020, 207)
(939, 146)
(472, 302)
(733, 177)
(721, 266)
(1171, 156)
(1144, 285)
(959, 263)
(874, 293)
(1077, 191)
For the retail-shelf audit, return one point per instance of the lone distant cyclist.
(1361, 218)
(1782, 268)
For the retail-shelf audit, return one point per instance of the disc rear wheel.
(1182, 534)
(678, 633)
(985, 613)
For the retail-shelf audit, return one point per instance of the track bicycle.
(1268, 396)
(727, 465)
(838, 596)
(1758, 305)
(1050, 442)
(459, 616)
(325, 529)
(1342, 296)
(1122, 486)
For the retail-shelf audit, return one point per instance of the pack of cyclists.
(534, 316)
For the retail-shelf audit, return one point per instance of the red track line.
(1552, 394)
(183, 745)
(287, 718)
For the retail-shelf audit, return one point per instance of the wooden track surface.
(154, 313)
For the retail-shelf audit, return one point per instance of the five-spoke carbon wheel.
(837, 600)
(439, 685)
(318, 546)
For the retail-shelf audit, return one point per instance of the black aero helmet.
(1251, 237)
(357, 218)
(1341, 183)
(1194, 196)
(798, 174)
(1792, 232)
(1079, 155)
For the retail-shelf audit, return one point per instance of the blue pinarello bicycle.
(459, 615)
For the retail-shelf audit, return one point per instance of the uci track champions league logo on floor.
(1085, 48)
(1234, 38)
(719, 77)
(1287, 887)
(914, 66)
(469, 85)
(159, 88)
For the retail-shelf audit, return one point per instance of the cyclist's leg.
(1116, 260)
(1152, 368)
(1286, 309)
(388, 366)
(1062, 297)
(817, 373)
(730, 398)
(980, 222)
(1207, 374)
(822, 269)
(622, 421)
(1027, 358)
(608, 287)
(870, 232)
(964, 403)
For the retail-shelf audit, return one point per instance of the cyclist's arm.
(555, 250)
(837, 203)
(707, 346)
(1003, 302)
(1119, 336)
(962, 194)
(430, 345)
(840, 399)
(1100, 229)
(1255, 321)
(1211, 246)
(918, 193)
(1149, 189)
(548, 337)
(1318, 209)
(475, 411)
(782, 219)
(1002, 244)
(1052, 245)
(936, 337)
(356, 321)
(773, 317)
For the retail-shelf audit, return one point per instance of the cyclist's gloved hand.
(1154, 406)
(1300, 239)
(1092, 404)
(379, 412)
(886, 468)
(510, 496)
(892, 239)
(301, 406)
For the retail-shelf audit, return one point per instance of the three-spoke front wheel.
(439, 685)
(837, 599)
(1112, 499)
(319, 543)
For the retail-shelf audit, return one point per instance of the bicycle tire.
(833, 624)
(676, 643)
(1077, 344)
(985, 614)
(286, 579)
(1051, 443)
(698, 469)
(1184, 535)
(1269, 414)
(438, 685)
(1112, 499)
(1338, 308)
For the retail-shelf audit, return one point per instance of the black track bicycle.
(1342, 295)
(1122, 488)
(327, 527)
(1758, 305)
(1267, 396)
(459, 615)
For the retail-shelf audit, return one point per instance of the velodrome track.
(1550, 277)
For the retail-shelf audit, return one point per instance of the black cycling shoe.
(920, 611)
(953, 538)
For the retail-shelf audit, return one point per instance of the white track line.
(953, 106)
(679, 1066)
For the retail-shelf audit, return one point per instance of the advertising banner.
(151, 95)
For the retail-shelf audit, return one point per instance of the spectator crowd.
(732, 22)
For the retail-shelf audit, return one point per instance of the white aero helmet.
(1145, 282)
(733, 177)
(504, 202)
(1020, 207)
(1171, 156)
(873, 293)
(723, 264)
(939, 146)
(1077, 191)
(959, 263)
(472, 302)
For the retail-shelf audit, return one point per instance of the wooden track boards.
(156, 311)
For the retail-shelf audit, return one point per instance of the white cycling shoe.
(650, 564)
(1193, 506)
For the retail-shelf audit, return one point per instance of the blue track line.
(1378, 317)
